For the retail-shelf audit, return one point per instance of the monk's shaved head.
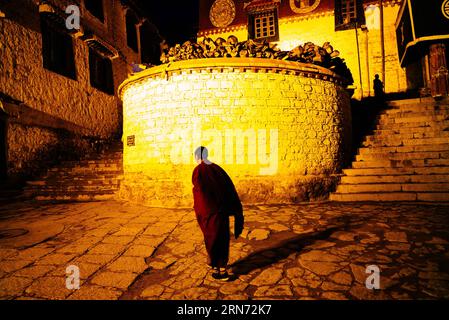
(201, 153)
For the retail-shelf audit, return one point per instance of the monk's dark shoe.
(221, 276)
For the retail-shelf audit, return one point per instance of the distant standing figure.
(215, 199)
(378, 87)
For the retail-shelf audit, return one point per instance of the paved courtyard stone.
(267, 277)
(153, 291)
(53, 288)
(93, 292)
(297, 251)
(114, 279)
(128, 264)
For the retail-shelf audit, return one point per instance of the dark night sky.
(177, 20)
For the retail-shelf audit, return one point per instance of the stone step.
(397, 142)
(402, 156)
(391, 135)
(426, 187)
(97, 177)
(406, 159)
(397, 171)
(400, 130)
(62, 190)
(100, 160)
(400, 163)
(85, 171)
(88, 178)
(112, 153)
(387, 136)
(76, 180)
(70, 166)
(391, 196)
(80, 179)
(389, 119)
(87, 175)
(75, 197)
(376, 196)
(67, 190)
(399, 113)
(45, 184)
(107, 159)
(433, 196)
(438, 125)
(415, 109)
(412, 103)
(117, 156)
(416, 148)
(402, 178)
(366, 188)
(91, 166)
(393, 187)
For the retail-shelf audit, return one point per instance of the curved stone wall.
(280, 129)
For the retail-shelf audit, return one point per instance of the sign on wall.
(131, 141)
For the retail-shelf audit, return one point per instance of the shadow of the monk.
(281, 250)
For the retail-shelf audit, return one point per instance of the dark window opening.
(349, 14)
(95, 7)
(150, 51)
(131, 30)
(263, 25)
(101, 75)
(57, 49)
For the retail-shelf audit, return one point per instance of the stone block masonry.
(280, 129)
(23, 78)
(48, 113)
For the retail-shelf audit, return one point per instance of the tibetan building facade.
(352, 26)
(423, 46)
(58, 84)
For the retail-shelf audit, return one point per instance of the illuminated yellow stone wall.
(295, 116)
(319, 29)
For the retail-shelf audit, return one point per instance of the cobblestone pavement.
(305, 251)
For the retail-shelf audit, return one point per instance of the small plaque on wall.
(131, 140)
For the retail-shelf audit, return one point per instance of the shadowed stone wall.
(68, 111)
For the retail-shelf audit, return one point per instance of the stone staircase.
(92, 179)
(406, 159)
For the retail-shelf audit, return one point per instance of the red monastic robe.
(215, 199)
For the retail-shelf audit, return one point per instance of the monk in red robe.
(215, 199)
